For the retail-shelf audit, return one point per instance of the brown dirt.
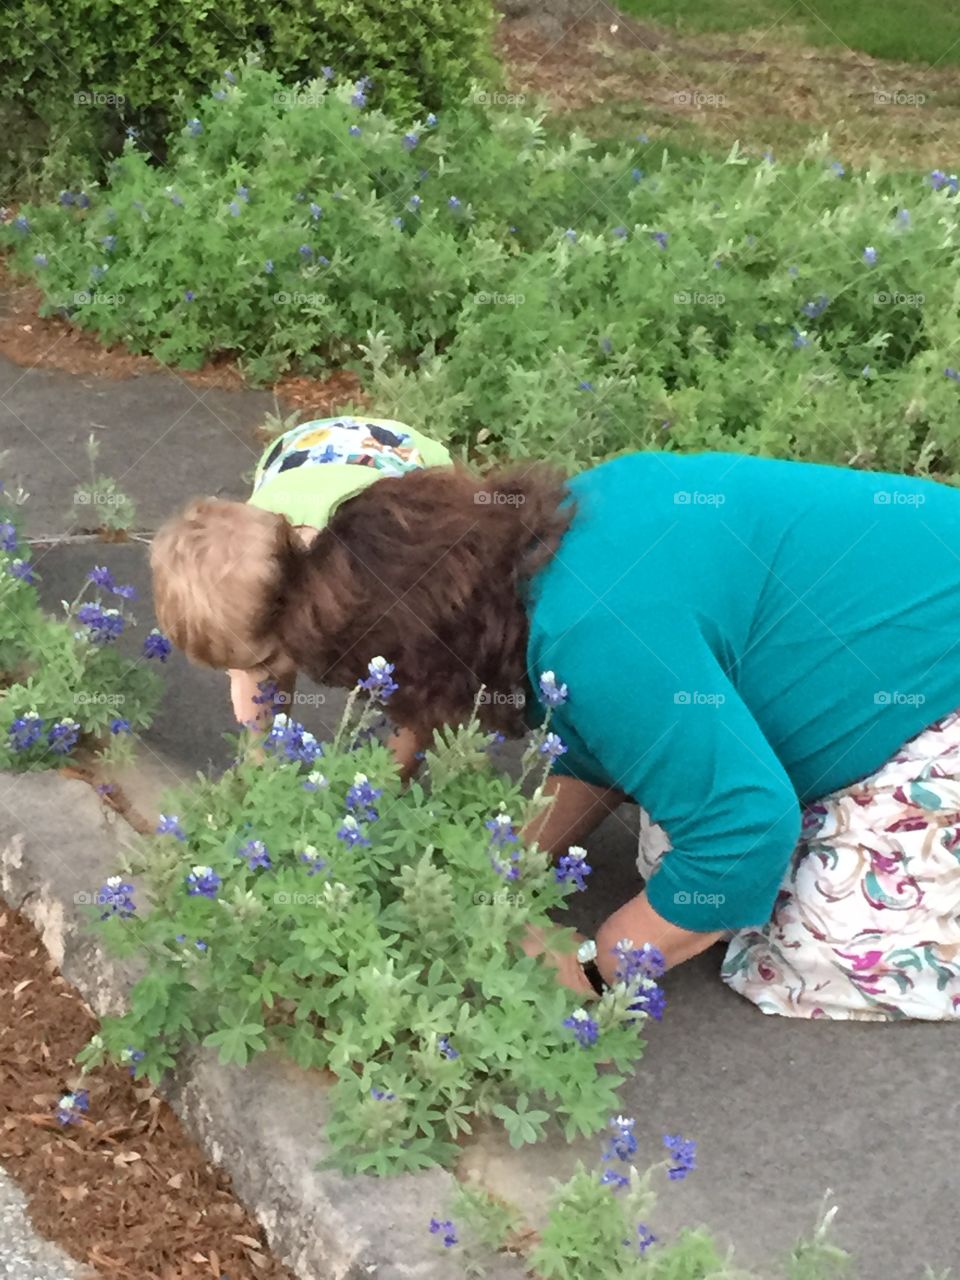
(760, 86)
(51, 342)
(125, 1190)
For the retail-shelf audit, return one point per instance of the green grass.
(921, 31)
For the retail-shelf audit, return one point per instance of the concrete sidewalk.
(781, 1110)
(23, 1254)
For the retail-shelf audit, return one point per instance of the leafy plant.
(374, 931)
(519, 294)
(64, 682)
(111, 509)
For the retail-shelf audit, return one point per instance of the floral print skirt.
(866, 925)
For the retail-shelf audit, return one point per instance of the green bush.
(118, 64)
(518, 295)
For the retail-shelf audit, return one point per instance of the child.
(217, 567)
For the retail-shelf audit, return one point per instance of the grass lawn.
(921, 31)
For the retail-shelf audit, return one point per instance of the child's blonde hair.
(216, 577)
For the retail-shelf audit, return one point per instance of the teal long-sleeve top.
(740, 636)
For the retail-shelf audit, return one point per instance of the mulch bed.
(124, 1190)
(51, 342)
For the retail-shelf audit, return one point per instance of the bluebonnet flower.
(268, 267)
(903, 217)
(195, 127)
(169, 825)
(243, 193)
(552, 747)
(573, 866)
(23, 570)
(501, 830)
(606, 346)
(203, 882)
(312, 860)
(431, 121)
(623, 1143)
(359, 98)
(952, 374)
(201, 945)
(189, 295)
(132, 133)
(22, 224)
(446, 1229)
(661, 238)
(379, 682)
(800, 339)
(72, 1105)
(552, 694)
(324, 262)
(768, 155)
(63, 736)
(101, 576)
(585, 1030)
(104, 624)
(938, 179)
(447, 1049)
(25, 732)
(98, 271)
(66, 198)
(414, 202)
(176, 199)
(219, 94)
(816, 308)
(870, 255)
(234, 207)
(131, 1057)
(636, 175)
(382, 1095)
(41, 259)
(410, 140)
(316, 213)
(620, 232)
(119, 726)
(645, 1238)
(305, 251)
(954, 184)
(156, 645)
(8, 536)
(837, 168)
(866, 371)
(115, 895)
(650, 1000)
(584, 385)
(397, 222)
(645, 961)
(454, 202)
(256, 854)
(109, 243)
(327, 73)
(230, 77)
(289, 738)
(793, 271)
(614, 1178)
(683, 1155)
(314, 781)
(570, 234)
(350, 832)
(360, 798)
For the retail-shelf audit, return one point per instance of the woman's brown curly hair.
(427, 570)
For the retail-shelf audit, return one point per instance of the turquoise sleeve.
(664, 723)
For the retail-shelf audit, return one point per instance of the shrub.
(374, 931)
(517, 295)
(83, 61)
(64, 683)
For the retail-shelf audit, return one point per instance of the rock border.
(263, 1123)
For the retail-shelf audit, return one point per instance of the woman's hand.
(566, 964)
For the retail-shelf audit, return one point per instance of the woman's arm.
(637, 921)
(577, 808)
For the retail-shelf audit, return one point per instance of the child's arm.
(405, 745)
(245, 688)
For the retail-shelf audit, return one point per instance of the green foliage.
(518, 295)
(109, 507)
(63, 685)
(396, 964)
(87, 69)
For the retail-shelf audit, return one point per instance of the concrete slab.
(24, 1255)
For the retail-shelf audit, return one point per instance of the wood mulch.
(124, 1190)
